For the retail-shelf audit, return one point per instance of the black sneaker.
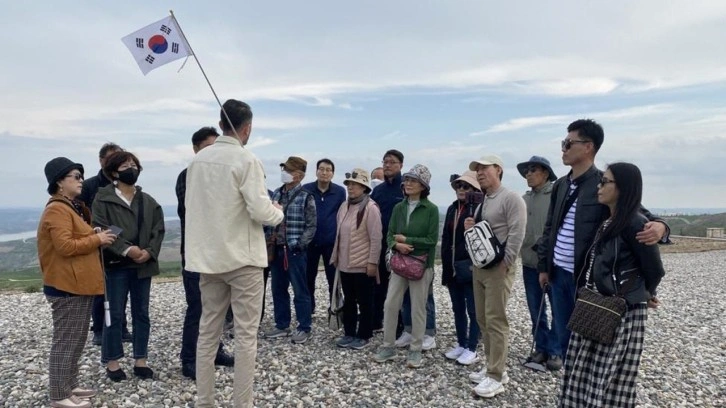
(224, 359)
(126, 337)
(538, 357)
(116, 376)
(97, 338)
(554, 363)
(143, 372)
(189, 370)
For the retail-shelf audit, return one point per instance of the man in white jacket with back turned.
(226, 206)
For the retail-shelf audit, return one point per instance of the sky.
(445, 82)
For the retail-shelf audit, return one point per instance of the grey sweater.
(506, 213)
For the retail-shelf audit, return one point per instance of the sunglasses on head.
(567, 143)
(351, 175)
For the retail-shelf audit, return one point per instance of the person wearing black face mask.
(130, 262)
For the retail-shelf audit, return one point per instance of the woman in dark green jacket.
(413, 229)
(130, 261)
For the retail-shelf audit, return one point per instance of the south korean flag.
(156, 44)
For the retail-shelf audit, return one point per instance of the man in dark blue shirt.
(386, 195)
(328, 198)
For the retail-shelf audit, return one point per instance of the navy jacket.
(327, 205)
(91, 186)
(387, 195)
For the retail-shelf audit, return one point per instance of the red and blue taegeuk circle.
(158, 44)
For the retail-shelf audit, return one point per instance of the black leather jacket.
(624, 265)
(588, 217)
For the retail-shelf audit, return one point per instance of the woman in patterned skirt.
(596, 374)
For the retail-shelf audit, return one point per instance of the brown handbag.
(597, 317)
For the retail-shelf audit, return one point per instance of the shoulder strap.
(139, 217)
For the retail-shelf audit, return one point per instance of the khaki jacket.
(68, 250)
(538, 202)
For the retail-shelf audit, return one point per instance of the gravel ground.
(684, 362)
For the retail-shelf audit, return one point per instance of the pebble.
(683, 364)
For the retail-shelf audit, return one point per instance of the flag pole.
(194, 54)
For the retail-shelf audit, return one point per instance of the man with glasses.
(328, 198)
(386, 195)
(90, 188)
(572, 220)
(539, 175)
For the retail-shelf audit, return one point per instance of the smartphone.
(116, 230)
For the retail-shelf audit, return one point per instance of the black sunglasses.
(567, 143)
(532, 169)
(351, 175)
(462, 186)
(77, 176)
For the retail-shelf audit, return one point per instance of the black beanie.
(58, 168)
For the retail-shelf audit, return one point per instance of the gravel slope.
(684, 363)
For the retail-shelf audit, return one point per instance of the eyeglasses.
(77, 176)
(532, 169)
(605, 180)
(390, 162)
(353, 175)
(567, 143)
(462, 186)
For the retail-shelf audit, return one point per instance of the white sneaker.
(488, 388)
(468, 357)
(405, 340)
(479, 376)
(454, 353)
(429, 342)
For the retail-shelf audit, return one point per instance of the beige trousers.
(492, 288)
(242, 288)
(419, 292)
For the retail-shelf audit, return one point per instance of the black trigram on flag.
(139, 43)
(175, 48)
(149, 59)
(165, 29)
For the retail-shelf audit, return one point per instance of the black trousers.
(190, 331)
(358, 295)
(314, 254)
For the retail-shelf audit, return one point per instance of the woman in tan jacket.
(355, 257)
(68, 252)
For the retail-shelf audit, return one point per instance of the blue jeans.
(545, 339)
(462, 303)
(563, 289)
(119, 284)
(281, 280)
(430, 312)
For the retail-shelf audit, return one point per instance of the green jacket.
(538, 202)
(422, 230)
(109, 209)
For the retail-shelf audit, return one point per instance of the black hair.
(396, 153)
(239, 114)
(108, 147)
(114, 161)
(629, 183)
(202, 134)
(330, 162)
(589, 130)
